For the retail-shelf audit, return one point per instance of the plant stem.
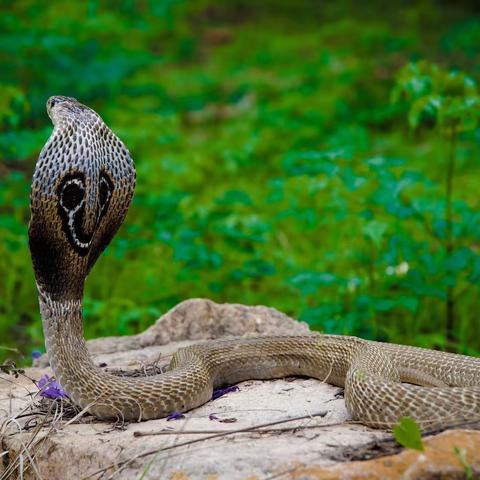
(450, 300)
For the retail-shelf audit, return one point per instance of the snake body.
(81, 190)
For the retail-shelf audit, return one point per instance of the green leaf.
(311, 163)
(310, 282)
(467, 468)
(424, 109)
(409, 303)
(375, 230)
(407, 433)
(234, 197)
(437, 97)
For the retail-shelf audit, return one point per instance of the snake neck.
(68, 354)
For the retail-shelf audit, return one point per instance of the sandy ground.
(287, 428)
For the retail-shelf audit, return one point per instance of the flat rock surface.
(288, 428)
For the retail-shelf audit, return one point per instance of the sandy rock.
(449, 455)
(81, 449)
(200, 319)
(306, 432)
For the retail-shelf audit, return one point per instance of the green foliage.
(441, 97)
(407, 433)
(449, 101)
(272, 166)
(467, 468)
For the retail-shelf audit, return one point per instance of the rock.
(448, 455)
(200, 319)
(306, 432)
(80, 449)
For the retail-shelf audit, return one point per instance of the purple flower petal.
(175, 416)
(49, 388)
(212, 417)
(36, 354)
(219, 392)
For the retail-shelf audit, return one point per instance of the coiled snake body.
(81, 190)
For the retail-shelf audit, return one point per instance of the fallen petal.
(175, 416)
(219, 392)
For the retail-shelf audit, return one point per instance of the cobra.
(82, 187)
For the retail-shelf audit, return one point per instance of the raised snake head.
(81, 190)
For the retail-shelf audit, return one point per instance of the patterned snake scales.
(81, 190)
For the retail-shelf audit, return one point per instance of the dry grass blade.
(43, 417)
(121, 465)
(17, 463)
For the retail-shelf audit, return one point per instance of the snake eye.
(72, 195)
(52, 102)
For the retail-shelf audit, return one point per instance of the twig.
(200, 432)
(196, 440)
(239, 430)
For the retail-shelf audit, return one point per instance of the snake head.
(81, 190)
(60, 108)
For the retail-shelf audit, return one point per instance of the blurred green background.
(318, 157)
